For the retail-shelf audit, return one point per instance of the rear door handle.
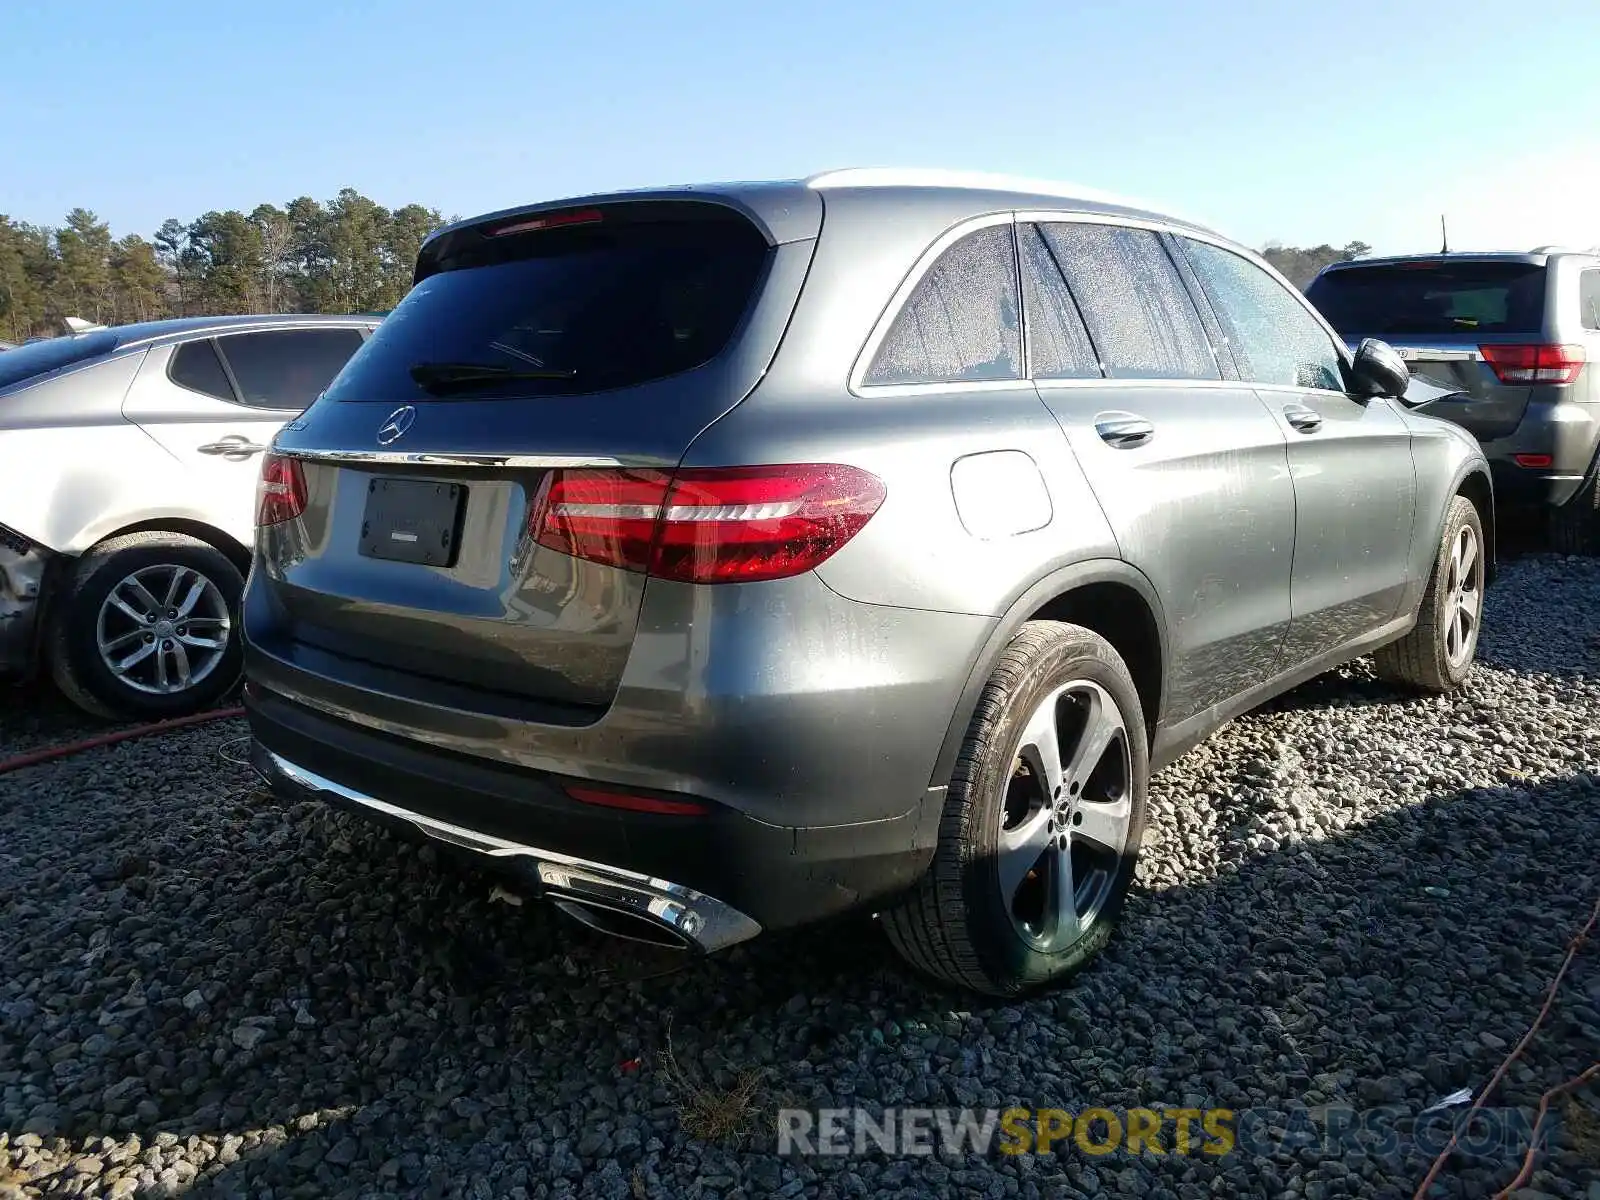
(1124, 431)
(1306, 420)
(234, 445)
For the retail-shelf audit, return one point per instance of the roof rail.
(869, 177)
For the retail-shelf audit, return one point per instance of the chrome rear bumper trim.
(695, 918)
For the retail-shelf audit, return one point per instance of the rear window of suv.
(1406, 299)
(39, 358)
(565, 304)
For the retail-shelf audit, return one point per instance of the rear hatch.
(1471, 325)
(538, 353)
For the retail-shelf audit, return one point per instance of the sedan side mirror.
(1379, 370)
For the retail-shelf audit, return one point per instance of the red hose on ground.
(34, 757)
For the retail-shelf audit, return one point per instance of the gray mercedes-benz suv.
(1516, 335)
(723, 558)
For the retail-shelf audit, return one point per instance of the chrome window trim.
(949, 237)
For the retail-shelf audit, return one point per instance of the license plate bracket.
(413, 521)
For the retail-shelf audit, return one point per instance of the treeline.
(1300, 265)
(348, 255)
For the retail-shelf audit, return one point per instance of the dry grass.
(708, 1113)
(1583, 1129)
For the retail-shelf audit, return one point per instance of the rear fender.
(1057, 583)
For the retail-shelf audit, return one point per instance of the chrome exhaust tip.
(620, 924)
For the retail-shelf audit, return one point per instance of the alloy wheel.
(163, 629)
(1065, 817)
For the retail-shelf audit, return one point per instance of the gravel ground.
(1349, 899)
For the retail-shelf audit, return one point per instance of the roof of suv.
(175, 328)
(871, 185)
(1536, 258)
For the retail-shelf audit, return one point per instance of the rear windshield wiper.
(444, 377)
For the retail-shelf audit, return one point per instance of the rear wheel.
(145, 627)
(1575, 526)
(1437, 654)
(1042, 822)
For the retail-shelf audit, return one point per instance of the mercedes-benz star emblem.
(396, 424)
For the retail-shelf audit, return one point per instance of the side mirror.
(1379, 370)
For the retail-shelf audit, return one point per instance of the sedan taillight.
(718, 525)
(281, 491)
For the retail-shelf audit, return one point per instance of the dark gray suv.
(1515, 337)
(723, 558)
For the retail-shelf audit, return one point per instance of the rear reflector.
(280, 492)
(1533, 460)
(1539, 363)
(644, 804)
(720, 525)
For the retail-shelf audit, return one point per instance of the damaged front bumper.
(23, 568)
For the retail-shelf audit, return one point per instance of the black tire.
(1575, 526)
(956, 926)
(1421, 660)
(73, 649)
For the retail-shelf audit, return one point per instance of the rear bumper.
(1524, 486)
(1568, 432)
(721, 876)
(690, 917)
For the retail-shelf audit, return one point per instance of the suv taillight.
(1537, 363)
(281, 491)
(720, 525)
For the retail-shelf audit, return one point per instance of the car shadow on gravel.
(292, 1000)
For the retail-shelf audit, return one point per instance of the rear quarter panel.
(72, 469)
(919, 550)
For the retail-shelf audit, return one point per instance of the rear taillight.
(1538, 363)
(281, 492)
(721, 525)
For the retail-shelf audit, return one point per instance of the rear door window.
(1589, 298)
(1432, 297)
(567, 305)
(1273, 338)
(1139, 314)
(961, 324)
(287, 369)
(1058, 342)
(195, 366)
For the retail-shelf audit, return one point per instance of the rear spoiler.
(79, 325)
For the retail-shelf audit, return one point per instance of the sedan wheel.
(163, 629)
(145, 627)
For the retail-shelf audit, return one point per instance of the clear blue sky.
(1289, 120)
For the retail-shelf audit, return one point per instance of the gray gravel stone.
(1351, 898)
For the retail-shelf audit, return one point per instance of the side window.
(1142, 319)
(1589, 298)
(1058, 343)
(194, 365)
(960, 324)
(1273, 338)
(287, 369)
